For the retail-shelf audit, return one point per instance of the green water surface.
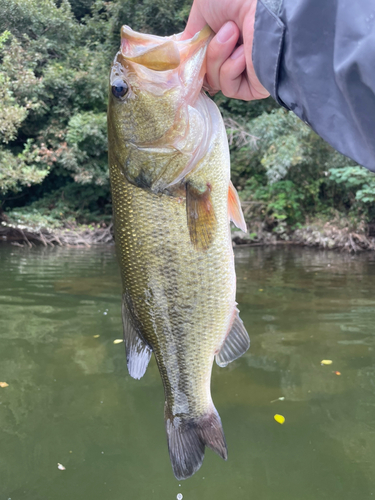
(71, 401)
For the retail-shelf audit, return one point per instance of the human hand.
(229, 54)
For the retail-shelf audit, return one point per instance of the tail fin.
(187, 439)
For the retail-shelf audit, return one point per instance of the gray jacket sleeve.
(317, 58)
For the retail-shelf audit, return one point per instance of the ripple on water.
(70, 398)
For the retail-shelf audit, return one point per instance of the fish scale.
(190, 310)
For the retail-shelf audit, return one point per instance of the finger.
(237, 82)
(232, 80)
(219, 49)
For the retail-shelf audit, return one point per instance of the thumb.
(195, 23)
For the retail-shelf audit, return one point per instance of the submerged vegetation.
(55, 57)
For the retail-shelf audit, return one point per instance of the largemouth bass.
(172, 203)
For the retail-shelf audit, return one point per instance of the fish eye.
(119, 88)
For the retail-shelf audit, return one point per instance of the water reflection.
(71, 401)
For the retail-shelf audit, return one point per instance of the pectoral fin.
(234, 208)
(201, 217)
(236, 343)
(138, 353)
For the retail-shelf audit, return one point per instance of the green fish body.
(172, 201)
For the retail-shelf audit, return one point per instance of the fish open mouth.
(158, 64)
(161, 53)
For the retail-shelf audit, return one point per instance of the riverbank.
(80, 235)
(336, 234)
(332, 235)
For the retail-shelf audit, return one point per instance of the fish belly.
(183, 298)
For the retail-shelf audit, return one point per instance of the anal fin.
(138, 353)
(236, 343)
(201, 217)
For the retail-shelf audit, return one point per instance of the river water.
(71, 401)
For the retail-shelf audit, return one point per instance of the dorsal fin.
(201, 217)
(236, 343)
(234, 208)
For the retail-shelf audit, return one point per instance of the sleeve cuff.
(267, 45)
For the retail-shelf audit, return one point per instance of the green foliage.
(242, 109)
(160, 17)
(87, 142)
(54, 63)
(71, 204)
(281, 201)
(55, 57)
(20, 170)
(284, 165)
(18, 166)
(358, 187)
(356, 180)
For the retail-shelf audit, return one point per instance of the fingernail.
(238, 52)
(225, 32)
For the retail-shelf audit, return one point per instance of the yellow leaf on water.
(279, 418)
(118, 341)
(96, 336)
(4, 384)
(337, 373)
(261, 289)
(326, 362)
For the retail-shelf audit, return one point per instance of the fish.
(172, 205)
